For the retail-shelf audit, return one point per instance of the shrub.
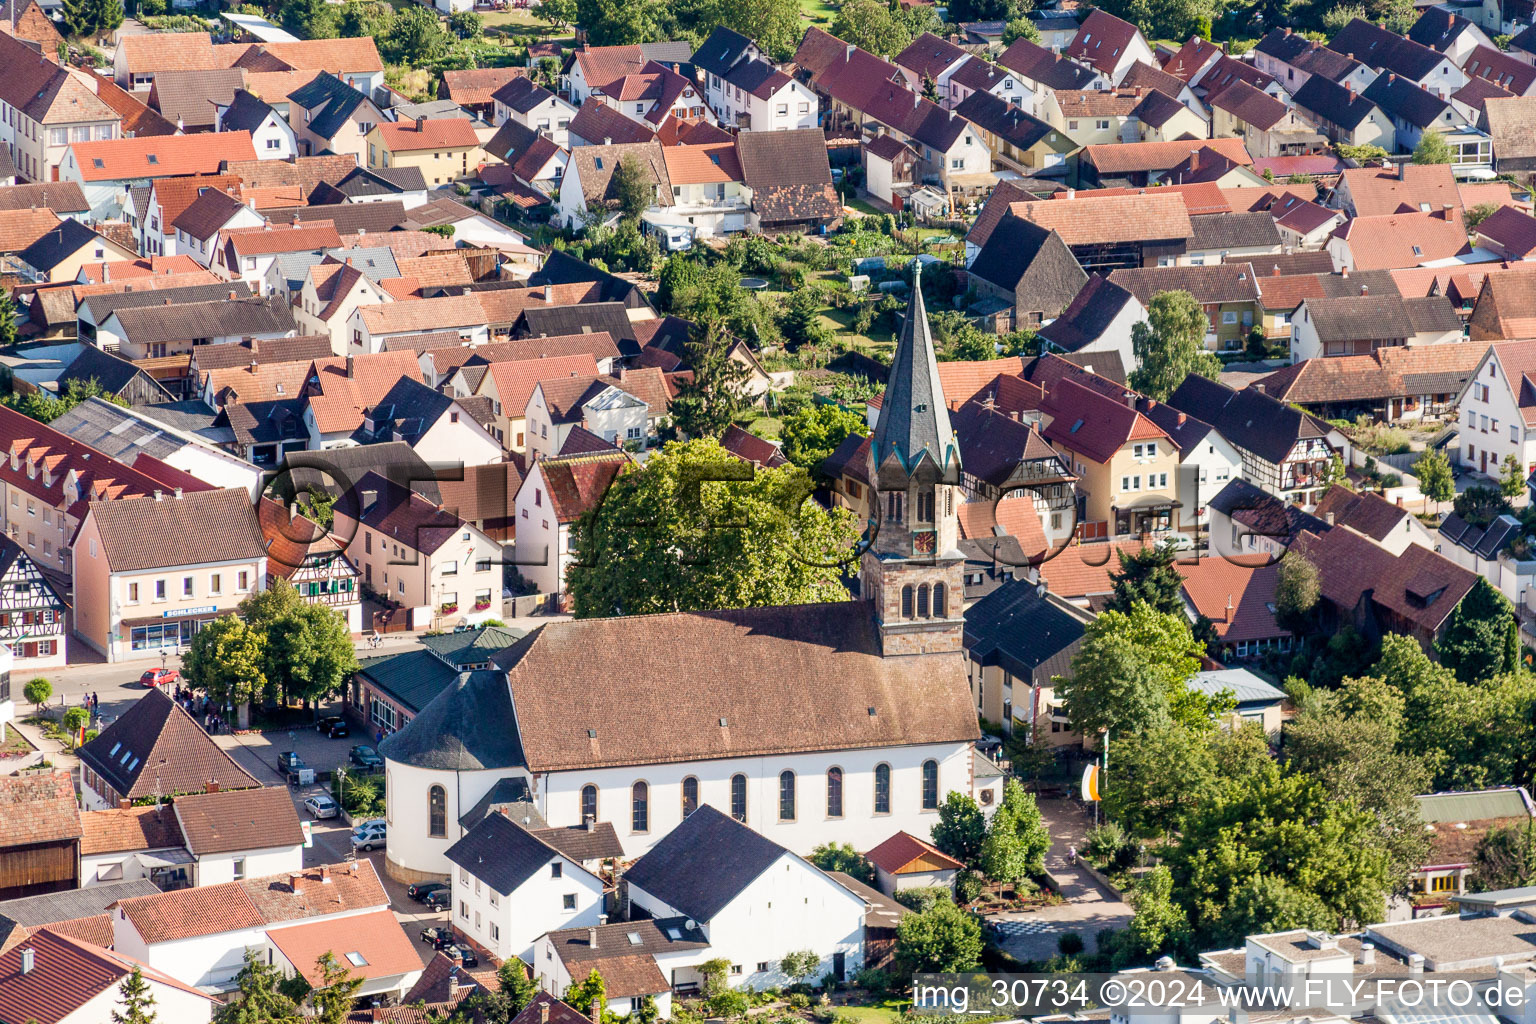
(799, 1000)
(730, 1003)
(923, 897)
(1103, 844)
(1069, 944)
(871, 980)
(968, 885)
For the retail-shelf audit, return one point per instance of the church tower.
(913, 568)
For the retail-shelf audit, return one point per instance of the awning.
(1149, 505)
(163, 858)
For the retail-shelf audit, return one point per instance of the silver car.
(368, 837)
(321, 806)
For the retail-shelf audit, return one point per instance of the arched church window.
(922, 601)
(834, 792)
(739, 797)
(588, 803)
(690, 795)
(930, 785)
(906, 601)
(786, 796)
(882, 789)
(640, 808)
(437, 811)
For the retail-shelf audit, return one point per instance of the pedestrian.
(1072, 854)
(95, 700)
(378, 736)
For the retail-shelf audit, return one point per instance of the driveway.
(1088, 908)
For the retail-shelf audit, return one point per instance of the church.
(842, 722)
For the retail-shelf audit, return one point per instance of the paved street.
(1088, 908)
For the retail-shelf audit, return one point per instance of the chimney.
(453, 987)
(1365, 289)
(1349, 87)
(159, 494)
(352, 868)
(1071, 193)
(1182, 418)
(1367, 953)
(544, 1013)
(370, 498)
(1194, 160)
(296, 883)
(591, 938)
(351, 366)
(421, 124)
(916, 101)
(549, 295)
(1445, 211)
(253, 366)
(28, 958)
(106, 272)
(1344, 272)
(231, 296)
(325, 874)
(1328, 518)
(597, 1005)
(124, 805)
(849, 55)
(1259, 388)
(213, 784)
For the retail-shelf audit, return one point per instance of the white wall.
(1202, 473)
(464, 442)
(1487, 424)
(537, 907)
(559, 795)
(205, 960)
(220, 867)
(407, 786)
(171, 1004)
(542, 543)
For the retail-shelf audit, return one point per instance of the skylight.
(634, 938)
(153, 158)
(357, 959)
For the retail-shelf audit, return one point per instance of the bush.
(799, 1000)
(923, 897)
(74, 718)
(730, 1003)
(1069, 944)
(968, 885)
(871, 980)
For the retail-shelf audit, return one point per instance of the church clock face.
(925, 542)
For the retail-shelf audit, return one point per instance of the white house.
(547, 506)
(195, 228)
(600, 404)
(271, 134)
(331, 293)
(745, 91)
(535, 107)
(80, 983)
(614, 951)
(751, 899)
(511, 886)
(1496, 410)
(240, 833)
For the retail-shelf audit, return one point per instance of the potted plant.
(481, 606)
(449, 609)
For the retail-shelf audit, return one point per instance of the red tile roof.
(442, 133)
(898, 852)
(1407, 188)
(516, 379)
(1385, 243)
(1238, 599)
(577, 483)
(1092, 424)
(1142, 157)
(66, 975)
(1083, 570)
(1101, 41)
(38, 808)
(163, 156)
(376, 939)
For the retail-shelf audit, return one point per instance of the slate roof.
(1333, 102)
(1004, 120)
(1102, 40)
(1089, 315)
(128, 754)
(1400, 98)
(720, 52)
(196, 528)
(704, 863)
(522, 94)
(238, 819)
(914, 422)
(1021, 250)
(1386, 50)
(113, 373)
(1038, 64)
(246, 113)
(524, 149)
(1234, 231)
(329, 101)
(1250, 419)
(1438, 28)
(1022, 631)
(789, 175)
(463, 728)
(927, 56)
(501, 853)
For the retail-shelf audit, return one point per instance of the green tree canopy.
(137, 1001)
(812, 433)
(1475, 215)
(308, 19)
(1297, 592)
(1505, 858)
(620, 22)
(881, 28)
(307, 647)
(415, 37)
(843, 857)
(45, 407)
(1481, 505)
(1170, 345)
(1131, 672)
(591, 989)
(961, 828)
(261, 996)
(1433, 149)
(1159, 926)
(1474, 642)
(633, 187)
(1016, 838)
(1437, 482)
(706, 404)
(558, 13)
(333, 997)
(228, 659)
(942, 939)
(660, 540)
(1020, 28)
(1147, 575)
(1363, 154)
(37, 691)
(1511, 476)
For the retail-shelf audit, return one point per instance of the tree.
(319, 507)
(961, 828)
(75, 719)
(940, 940)
(1156, 774)
(466, 24)
(633, 188)
(558, 13)
(45, 407)
(227, 658)
(706, 404)
(773, 24)
(1433, 149)
(799, 965)
(1130, 673)
(620, 22)
(333, 997)
(880, 28)
(698, 528)
(78, 18)
(1296, 593)
(813, 432)
(801, 321)
(1147, 575)
(1170, 345)
(1505, 858)
(308, 19)
(107, 15)
(1511, 476)
(1016, 840)
(138, 1001)
(37, 691)
(1473, 644)
(582, 994)
(1436, 480)
(989, 10)
(843, 857)
(308, 648)
(261, 999)
(516, 985)
(1159, 926)
(7, 322)
(415, 37)
(1475, 215)
(366, 18)
(1020, 28)
(1481, 505)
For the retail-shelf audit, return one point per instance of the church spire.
(914, 419)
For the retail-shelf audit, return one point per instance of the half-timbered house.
(31, 614)
(304, 554)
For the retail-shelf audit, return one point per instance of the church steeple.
(912, 569)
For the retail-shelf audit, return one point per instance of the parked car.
(463, 954)
(289, 761)
(365, 757)
(321, 806)
(159, 677)
(419, 891)
(439, 900)
(368, 837)
(368, 823)
(334, 727)
(437, 938)
(293, 768)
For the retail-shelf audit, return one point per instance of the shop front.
(170, 631)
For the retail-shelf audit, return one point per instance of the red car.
(159, 677)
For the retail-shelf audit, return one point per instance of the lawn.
(888, 1013)
(12, 743)
(819, 11)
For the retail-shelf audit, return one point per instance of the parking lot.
(257, 754)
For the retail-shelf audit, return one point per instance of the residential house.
(389, 690)
(125, 434)
(1267, 126)
(337, 118)
(555, 492)
(248, 253)
(152, 332)
(337, 393)
(332, 291)
(746, 91)
(473, 89)
(1508, 232)
(1258, 702)
(196, 229)
(106, 170)
(1012, 665)
(598, 124)
(1109, 46)
(1398, 240)
(57, 256)
(511, 884)
(889, 167)
(1207, 461)
(1285, 451)
(1505, 120)
(715, 871)
(509, 383)
(929, 61)
(44, 108)
(1232, 238)
(1223, 161)
(271, 134)
(1344, 114)
(437, 568)
(1393, 54)
(1254, 525)
(40, 848)
(1103, 233)
(596, 68)
(1449, 33)
(1028, 268)
(1390, 384)
(1227, 292)
(66, 980)
(1092, 117)
(536, 108)
(1126, 465)
(1388, 524)
(709, 196)
(588, 181)
(536, 161)
(906, 862)
(1237, 597)
(1415, 111)
(1504, 308)
(632, 953)
(1497, 407)
(624, 411)
(143, 583)
(1099, 319)
(1304, 226)
(976, 75)
(32, 614)
(789, 181)
(1358, 325)
(444, 150)
(1043, 71)
(1456, 824)
(154, 749)
(370, 328)
(312, 561)
(1159, 117)
(240, 833)
(435, 425)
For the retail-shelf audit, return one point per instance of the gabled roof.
(720, 52)
(1439, 28)
(902, 849)
(240, 819)
(1514, 231)
(474, 87)
(67, 974)
(246, 113)
(1214, 282)
(1419, 585)
(125, 829)
(372, 945)
(1238, 599)
(1037, 64)
(189, 98)
(1401, 98)
(788, 174)
(1386, 50)
(1250, 418)
(704, 863)
(1022, 631)
(129, 753)
(1403, 240)
(112, 372)
(1089, 315)
(1334, 103)
(1392, 372)
(1020, 250)
(503, 854)
(193, 528)
(928, 56)
(1148, 157)
(1192, 58)
(576, 483)
(1005, 120)
(1512, 123)
(1093, 424)
(164, 156)
(329, 101)
(598, 123)
(1234, 231)
(1102, 40)
(58, 244)
(59, 196)
(1250, 105)
(1151, 217)
(750, 448)
(596, 165)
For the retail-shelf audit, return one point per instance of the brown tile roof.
(1082, 570)
(901, 849)
(58, 196)
(1418, 586)
(1512, 123)
(1097, 102)
(193, 529)
(306, 172)
(516, 379)
(137, 118)
(437, 270)
(1101, 41)
(176, 194)
(1236, 598)
(406, 516)
(165, 156)
(304, 348)
(1384, 243)
(1506, 303)
(414, 136)
(596, 165)
(601, 65)
(188, 98)
(96, 929)
(473, 87)
(748, 447)
(1092, 424)
(1110, 219)
(816, 668)
(189, 913)
(418, 316)
(1216, 282)
(1192, 58)
(44, 91)
(928, 55)
(20, 228)
(280, 238)
(483, 493)
(38, 807)
(168, 51)
(1379, 191)
(342, 388)
(376, 937)
(1143, 157)
(577, 483)
(788, 174)
(129, 828)
(156, 747)
(30, 23)
(598, 123)
(352, 886)
(355, 54)
(1394, 372)
(241, 819)
(432, 986)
